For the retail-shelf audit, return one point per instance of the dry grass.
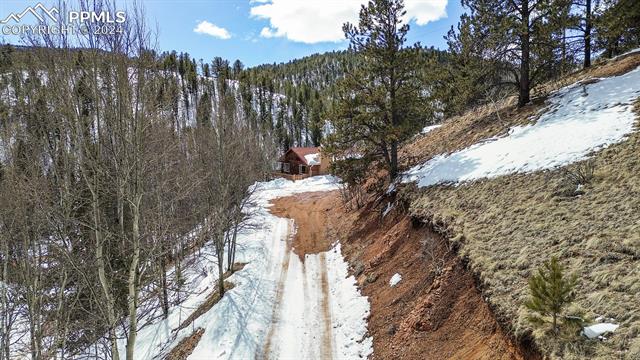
(509, 225)
(465, 130)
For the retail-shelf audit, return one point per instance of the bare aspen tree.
(103, 181)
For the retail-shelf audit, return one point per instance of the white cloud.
(313, 21)
(424, 11)
(268, 33)
(205, 27)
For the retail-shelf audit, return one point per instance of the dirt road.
(436, 312)
(302, 295)
(309, 212)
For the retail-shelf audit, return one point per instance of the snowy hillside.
(190, 100)
(580, 119)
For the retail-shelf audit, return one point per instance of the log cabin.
(303, 162)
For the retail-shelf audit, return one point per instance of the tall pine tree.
(516, 35)
(381, 102)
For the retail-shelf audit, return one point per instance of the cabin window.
(285, 167)
(303, 169)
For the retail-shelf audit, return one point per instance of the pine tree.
(381, 102)
(586, 26)
(204, 111)
(551, 291)
(617, 26)
(516, 36)
(238, 66)
(462, 76)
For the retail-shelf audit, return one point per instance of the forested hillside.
(308, 85)
(131, 179)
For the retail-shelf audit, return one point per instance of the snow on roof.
(580, 118)
(312, 159)
(596, 330)
(309, 155)
(302, 151)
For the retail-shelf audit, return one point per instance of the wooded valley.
(119, 162)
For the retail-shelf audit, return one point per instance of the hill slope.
(509, 224)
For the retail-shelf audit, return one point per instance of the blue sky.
(267, 31)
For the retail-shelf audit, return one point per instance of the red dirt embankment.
(435, 312)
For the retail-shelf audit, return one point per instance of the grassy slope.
(509, 225)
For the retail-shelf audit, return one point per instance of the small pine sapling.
(551, 291)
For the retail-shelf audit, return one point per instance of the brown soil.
(186, 346)
(435, 312)
(309, 212)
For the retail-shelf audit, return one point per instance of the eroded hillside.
(507, 226)
(465, 251)
(434, 312)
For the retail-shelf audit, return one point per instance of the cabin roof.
(301, 153)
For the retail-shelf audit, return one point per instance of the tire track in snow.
(315, 297)
(275, 317)
(327, 338)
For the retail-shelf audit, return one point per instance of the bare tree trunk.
(393, 154)
(220, 254)
(165, 294)
(231, 250)
(587, 35)
(524, 94)
(102, 277)
(31, 267)
(133, 280)
(5, 312)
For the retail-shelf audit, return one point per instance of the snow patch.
(429, 128)
(580, 119)
(597, 330)
(395, 279)
(349, 310)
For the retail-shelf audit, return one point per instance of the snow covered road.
(301, 322)
(297, 308)
(318, 311)
(280, 307)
